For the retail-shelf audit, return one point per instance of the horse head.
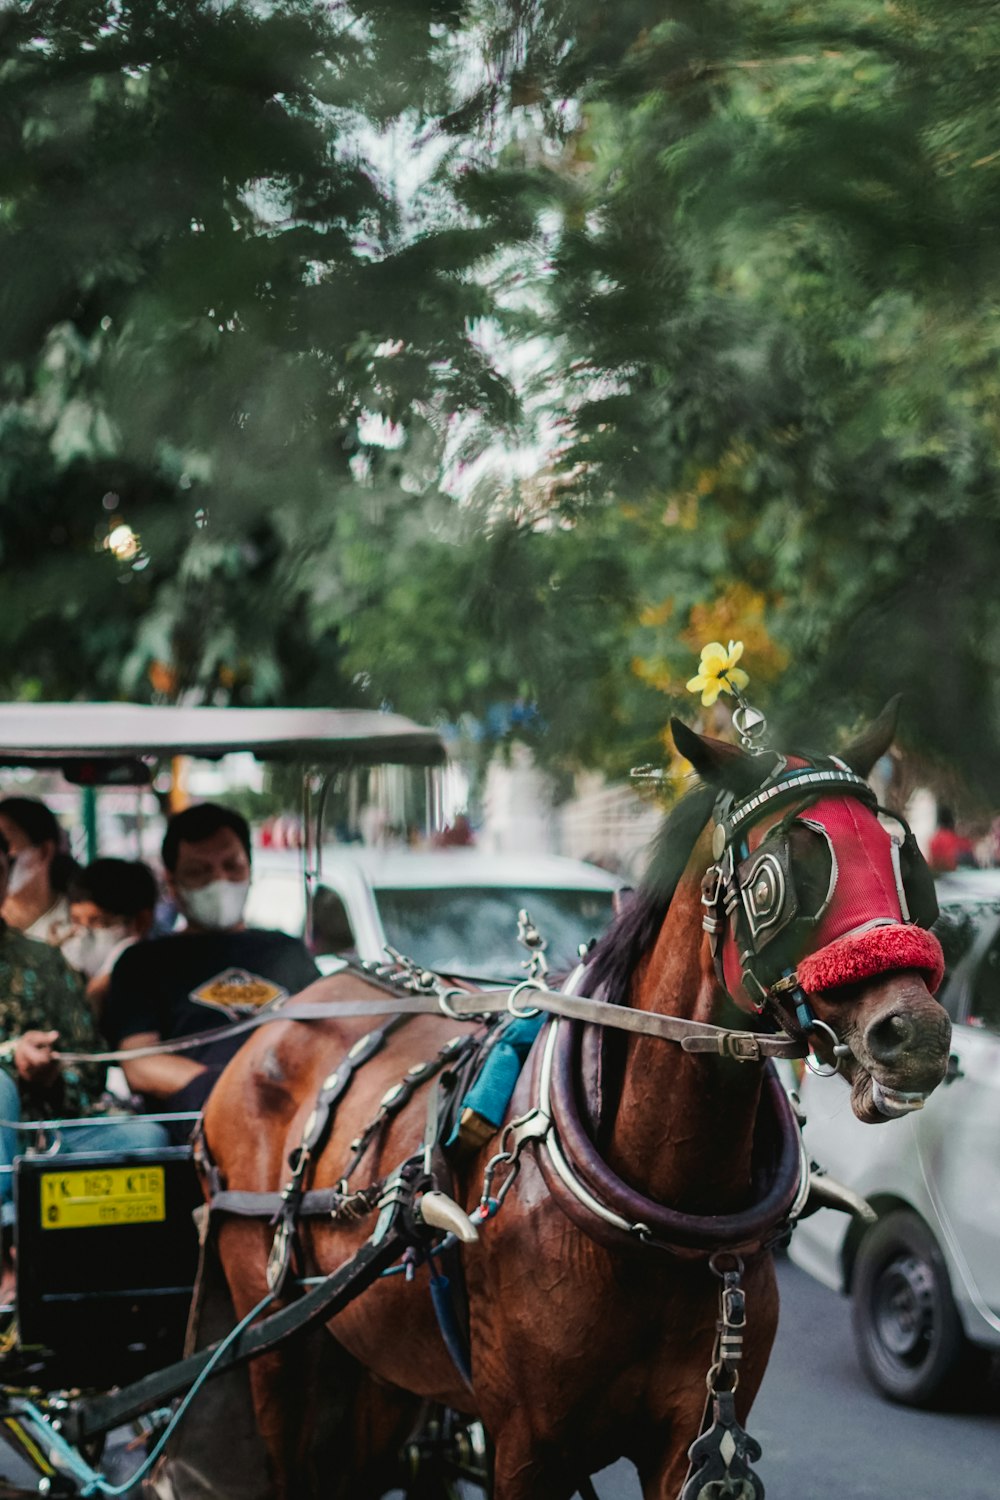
(816, 914)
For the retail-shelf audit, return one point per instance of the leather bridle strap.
(465, 1005)
(732, 819)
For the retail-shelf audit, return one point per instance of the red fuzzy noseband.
(864, 955)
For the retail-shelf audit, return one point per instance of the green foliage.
(272, 277)
(213, 305)
(775, 286)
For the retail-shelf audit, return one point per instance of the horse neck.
(683, 1130)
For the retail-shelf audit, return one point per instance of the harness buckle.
(711, 891)
(711, 885)
(395, 1195)
(741, 1046)
(279, 1257)
(757, 992)
(734, 1308)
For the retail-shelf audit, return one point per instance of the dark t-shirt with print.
(198, 981)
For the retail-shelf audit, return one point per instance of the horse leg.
(284, 1384)
(381, 1420)
(194, 1465)
(523, 1471)
(663, 1482)
(662, 1474)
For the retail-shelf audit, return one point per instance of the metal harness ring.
(443, 999)
(824, 1070)
(530, 1011)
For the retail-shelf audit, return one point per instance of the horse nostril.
(887, 1038)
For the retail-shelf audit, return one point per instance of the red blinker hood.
(863, 932)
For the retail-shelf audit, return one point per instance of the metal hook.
(529, 937)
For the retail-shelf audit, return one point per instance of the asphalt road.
(827, 1436)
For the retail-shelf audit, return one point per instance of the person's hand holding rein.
(34, 1058)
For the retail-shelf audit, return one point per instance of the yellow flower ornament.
(718, 672)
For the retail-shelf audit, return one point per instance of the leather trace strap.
(314, 1136)
(477, 1005)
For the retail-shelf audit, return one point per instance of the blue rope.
(444, 1311)
(96, 1484)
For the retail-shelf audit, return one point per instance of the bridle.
(753, 901)
(758, 916)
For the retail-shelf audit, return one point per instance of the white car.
(924, 1280)
(453, 910)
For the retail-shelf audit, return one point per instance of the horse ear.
(717, 763)
(870, 746)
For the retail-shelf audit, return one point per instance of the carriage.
(609, 1237)
(106, 1242)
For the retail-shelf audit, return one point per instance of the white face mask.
(218, 906)
(24, 868)
(89, 948)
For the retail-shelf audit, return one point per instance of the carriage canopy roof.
(99, 742)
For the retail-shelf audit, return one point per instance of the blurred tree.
(272, 276)
(772, 275)
(238, 316)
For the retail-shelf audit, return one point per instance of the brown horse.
(584, 1350)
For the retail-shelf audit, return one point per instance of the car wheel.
(908, 1333)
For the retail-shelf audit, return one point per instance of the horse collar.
(614, 1214)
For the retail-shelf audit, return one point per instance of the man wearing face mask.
(217, 970)
(111, 906)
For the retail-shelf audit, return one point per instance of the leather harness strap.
(317, 1203)
(464, 1005)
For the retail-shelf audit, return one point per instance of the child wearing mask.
(111, 906)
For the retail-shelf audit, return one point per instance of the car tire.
(907, 1330)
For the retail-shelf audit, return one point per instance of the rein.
(474, 1006)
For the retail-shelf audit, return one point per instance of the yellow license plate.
(121, 1195)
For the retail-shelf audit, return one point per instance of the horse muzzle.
(899, 1039)
(892, 1103)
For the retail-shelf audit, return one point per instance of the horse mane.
(613, 961)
